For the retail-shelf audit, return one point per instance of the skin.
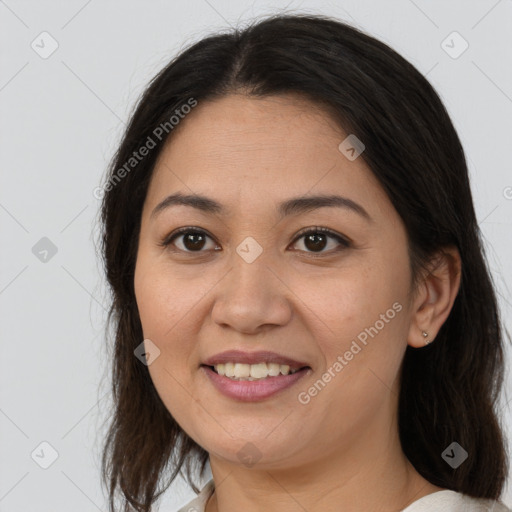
(250, 154)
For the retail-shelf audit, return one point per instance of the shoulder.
(451, 501)
(198, 504)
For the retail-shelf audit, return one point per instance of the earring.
(425, 334)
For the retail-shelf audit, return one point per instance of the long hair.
(450, 389)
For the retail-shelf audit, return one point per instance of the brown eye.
(316, 240)
(192, 240)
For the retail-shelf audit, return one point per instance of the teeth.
(241, 371)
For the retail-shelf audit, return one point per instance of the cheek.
(364, 319)
(361, 351)
(356, 297)
(163, 305)
(170, 305)
(163, 300)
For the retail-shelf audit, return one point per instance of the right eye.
(193, 239)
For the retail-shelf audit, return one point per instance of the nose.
(252, 297)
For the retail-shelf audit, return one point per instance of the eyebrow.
(293, 206)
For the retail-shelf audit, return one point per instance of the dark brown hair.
(449, 388)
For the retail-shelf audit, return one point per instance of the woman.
(300, 293)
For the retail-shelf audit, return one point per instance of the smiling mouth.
(252, 372)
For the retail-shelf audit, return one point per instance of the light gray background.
(60, 120)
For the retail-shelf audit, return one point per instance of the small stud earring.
(425, 334)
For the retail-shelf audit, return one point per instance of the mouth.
(253, 372)
(243, 387)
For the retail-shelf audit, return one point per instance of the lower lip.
(253, 390)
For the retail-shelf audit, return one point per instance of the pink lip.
(238, 356)
(252, 391)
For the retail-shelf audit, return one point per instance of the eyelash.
(345, 243)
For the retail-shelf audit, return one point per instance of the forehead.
(254, 150)
(268, 125)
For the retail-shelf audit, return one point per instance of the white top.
(440, 501)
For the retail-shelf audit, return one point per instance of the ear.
(434, 297)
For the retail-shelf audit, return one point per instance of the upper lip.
(262, 356)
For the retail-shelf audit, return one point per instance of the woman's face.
(252, 282)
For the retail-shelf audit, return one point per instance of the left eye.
(315, 240)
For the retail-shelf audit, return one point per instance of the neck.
(339, 481)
